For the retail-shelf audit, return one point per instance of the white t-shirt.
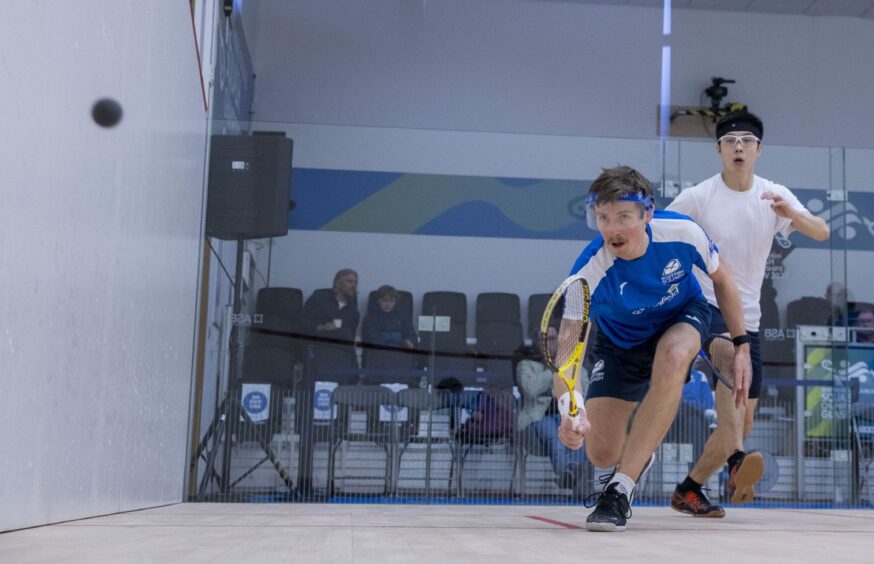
(743, 226)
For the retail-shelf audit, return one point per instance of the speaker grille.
(249, 186)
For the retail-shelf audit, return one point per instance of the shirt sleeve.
(707, 254)
(784, 224)
(586, 256)
(685, 204)
(591, 264)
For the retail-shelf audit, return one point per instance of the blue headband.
(638, 197)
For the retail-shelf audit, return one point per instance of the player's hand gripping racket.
(570, 304)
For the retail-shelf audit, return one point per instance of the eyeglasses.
(745, 141)
(622, 220)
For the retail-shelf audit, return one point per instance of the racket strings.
(721, 352)
(574, 313)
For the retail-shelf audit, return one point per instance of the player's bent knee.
(676, 358)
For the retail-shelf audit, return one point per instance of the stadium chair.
(437, 406)
(536, 305)
(491, 424)
(278, 310)
(498, 331)
(454, 341)
(366, 400)
(807, 311)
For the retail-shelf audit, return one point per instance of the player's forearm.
(559, 388)
(814, 227)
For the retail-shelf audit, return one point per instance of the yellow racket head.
(564, 324)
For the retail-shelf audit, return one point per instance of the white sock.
(624, 483)
(602, 473)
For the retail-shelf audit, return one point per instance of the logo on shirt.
(673, 292)
(597, 372)
(672, 272)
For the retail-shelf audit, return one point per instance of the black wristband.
(740, 340)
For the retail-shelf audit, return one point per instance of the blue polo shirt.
(633, 299)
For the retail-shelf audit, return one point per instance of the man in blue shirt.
(653, 320)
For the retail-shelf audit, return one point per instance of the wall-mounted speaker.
(249, 192)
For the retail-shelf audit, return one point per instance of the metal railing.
(402, 437)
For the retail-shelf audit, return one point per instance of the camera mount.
(716, 92)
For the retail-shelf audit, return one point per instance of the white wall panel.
(99, 246)
(557, 68)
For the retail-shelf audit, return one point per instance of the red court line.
(553, 522)
(300, 526)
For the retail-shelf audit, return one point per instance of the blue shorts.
(718, 327)
(625, 373)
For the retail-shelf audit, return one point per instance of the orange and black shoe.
(744, 475)
(695, 503)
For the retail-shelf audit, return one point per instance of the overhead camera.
(716, 91)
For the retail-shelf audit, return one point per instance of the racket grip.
(575, 418)
(566, 409)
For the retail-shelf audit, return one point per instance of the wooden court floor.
(201, 532)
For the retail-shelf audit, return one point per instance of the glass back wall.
(385, 349)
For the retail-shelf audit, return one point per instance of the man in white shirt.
(742, 213)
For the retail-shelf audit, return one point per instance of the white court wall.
(561, 68)
(99, 252)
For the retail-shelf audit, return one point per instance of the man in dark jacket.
(334, 315)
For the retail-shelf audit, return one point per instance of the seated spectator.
(540, 412)
(388, 325)
(865, 322)
(334, 315)
(836, 296)
(491, 417)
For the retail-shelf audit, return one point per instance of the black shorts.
(718, 327)
(625, 373)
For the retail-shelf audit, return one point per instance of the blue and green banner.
(480, 206)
